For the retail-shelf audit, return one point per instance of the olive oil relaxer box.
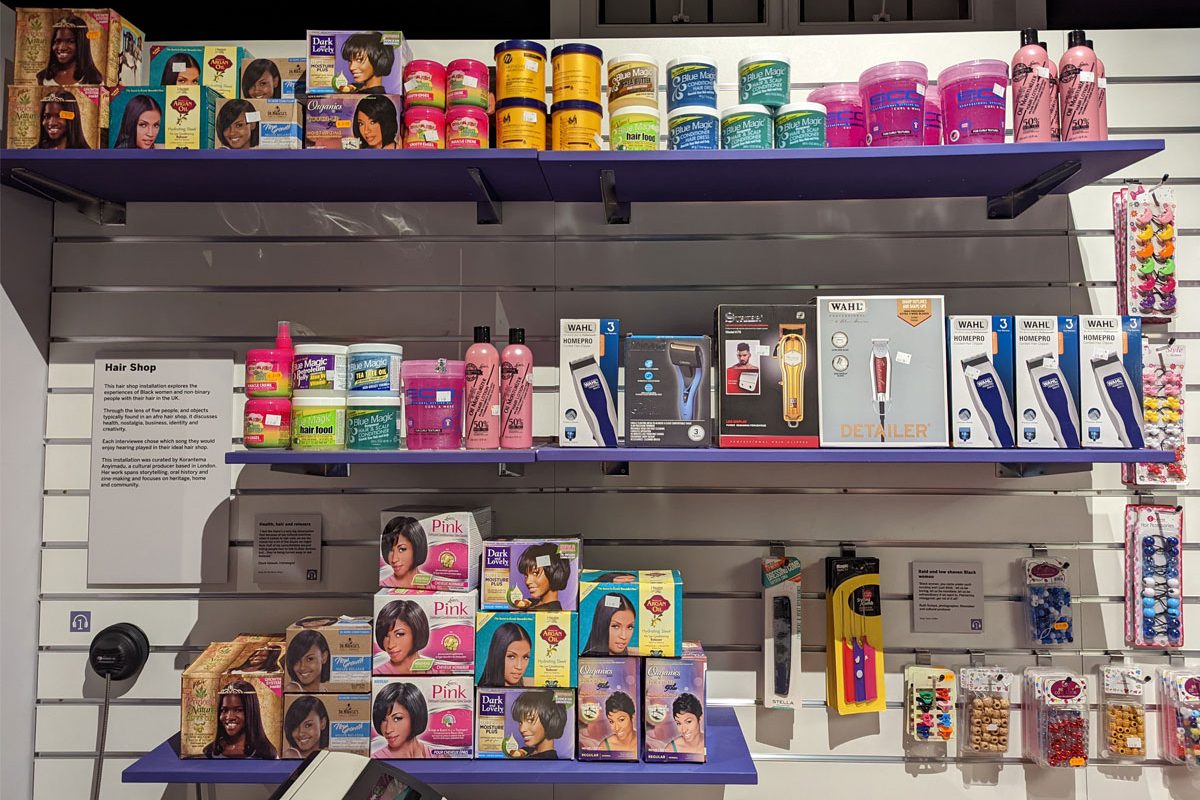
(201, 682)
(635, 613)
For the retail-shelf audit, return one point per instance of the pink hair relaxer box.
(424, 633)
(423, 717)
(432, 549)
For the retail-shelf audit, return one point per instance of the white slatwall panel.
(432, 275)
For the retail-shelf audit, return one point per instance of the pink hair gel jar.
(424, 84)
(893, 95)
(973, 101)
(467, 83)
(424, 128)
(267, 422)
(433, 403)
(845, 123)
(933, 116)
(466, 128)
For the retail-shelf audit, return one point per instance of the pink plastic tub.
(893, 95)
(933, 116)
(973, 101)
(845, 123)
(433, 403)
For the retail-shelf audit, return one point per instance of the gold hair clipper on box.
(792, 352)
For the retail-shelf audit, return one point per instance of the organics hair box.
(200, 685)
(353, 121)
(162, 117)
(273, 78)
(258, 695)
(325, 655)
(1110, 381)
(424, 633)
(589, 357)
(668, 385)
(981, 381)
(357, 61)
(609, 718)
(56, 117)
(337, 722)
(767, 376)
(525, 723)
(675, 707)
(104, 48)
(1046, 363)
(525, 648)
(218, 67)
(530, 575)
(882, 371)
(432, 549)
(430, 717)
(259, 125)
(637, 613)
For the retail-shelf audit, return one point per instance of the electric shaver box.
(588, 352)
(981, 381)
(1110, 381)
(667, 387)
(883, 371)
(767, 395)
(1047, 382)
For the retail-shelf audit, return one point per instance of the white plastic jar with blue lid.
(374, 368)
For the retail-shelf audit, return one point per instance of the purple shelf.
(292, 176)
(856, 455)
(729, 763)
(381, 457)
(834, 173)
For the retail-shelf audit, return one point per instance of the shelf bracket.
(1013, 204)
(318, 470)
(487, 210)
(615, 212)
(98, 210)
(615, 469)
(1026, 469)
(510, 470)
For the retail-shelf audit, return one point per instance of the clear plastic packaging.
(930, 695)
(1179, 716)
(1055, 719)
(1048, 599)
(1164, 406)
(1145, 228)
(1123, 712)
(1154, 576)
(986, 710)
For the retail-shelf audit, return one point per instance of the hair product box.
(524, 648)
(357, 61)
(1110, 381)
(781, 582)
(200, 685)
(981, 381)
(337, 722)
(273, 78)
(424, 633)
(432, 549)
(162, 117)
(636, 613)
(1047, 381)
(667, 389)
(589, 356)
(271, 637)
(422, 717)
(55, 117)
(217, 67)
(250, 705)
(353, 121)
(610, 690)
(70, 46)
(767, 395)
(326, 654)
(259, 125)
(883, 371)
(674, 707)
(525, 723)
(530, 575)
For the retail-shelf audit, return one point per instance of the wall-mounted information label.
(947, 596)
(159, 505)
(287, 548)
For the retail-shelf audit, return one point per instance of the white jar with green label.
(373, 423)
(764, 80)
(633, 128)
(800, 125)
(318, 423)
(747, 127)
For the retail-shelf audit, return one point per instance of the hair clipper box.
(524, 648)
(337, 722)
(767, 395)
(667, 389)
(422, 717)
(588, 352)
(1110, 381)
(981, 381)
(357, 61)
(432, 549)
(162, 118)
(636, 613)
(675, 707)
(328, 656)
(259, 125)
(610, 696)
(525, 723)
(883, 371)
(1047, 381)
(217, 67)
(424, 633)
(530, 575)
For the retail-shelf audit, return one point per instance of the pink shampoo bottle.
(483, 392)
(516, 390)
(1078, 92)
(1033, 92)
(1101, 95)
(1055, 112)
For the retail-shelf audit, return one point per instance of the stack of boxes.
(232, 700)
(355, 89)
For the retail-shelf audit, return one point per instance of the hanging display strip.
(987, 710)
(1179, 716)
(1123, 712)
(1055, 722)
(1144, 225)
(1164, 402)
(1154, 576)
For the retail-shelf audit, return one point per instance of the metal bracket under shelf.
(1029, 469)
(615, 212)
(488, 211)
(1017, 201)
(510, 470)
(97, 209)
(318, 470)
